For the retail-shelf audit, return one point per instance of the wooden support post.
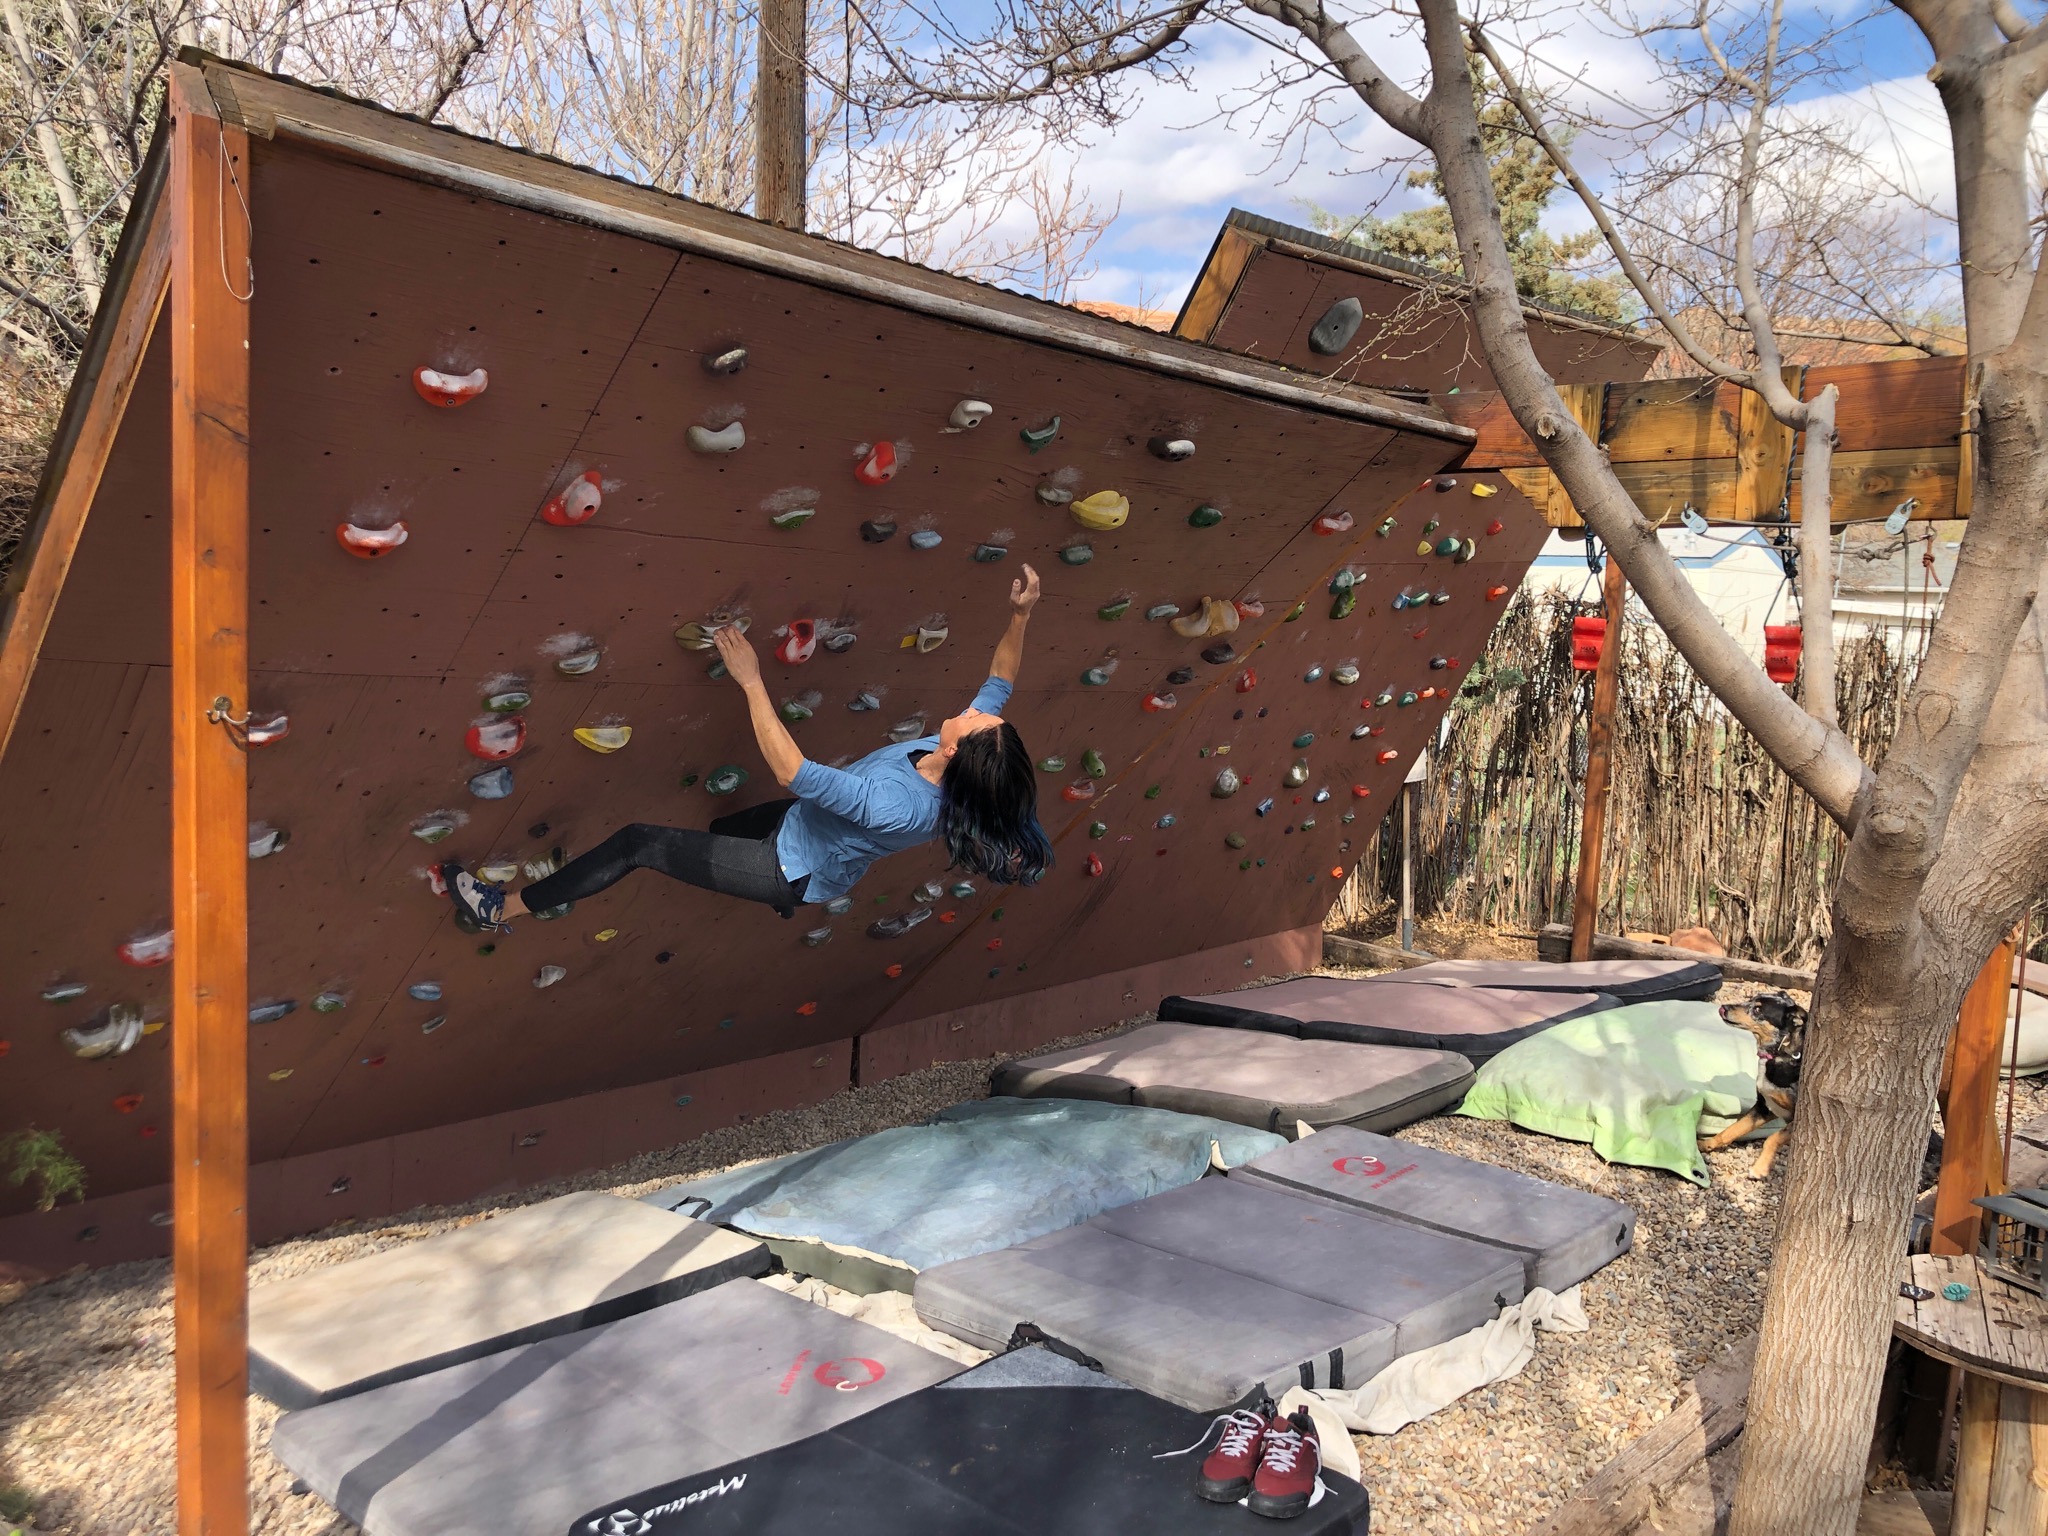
(1599, 749)
(1969, 1116)
(1407, 868)
(209, 806)
(780, 133)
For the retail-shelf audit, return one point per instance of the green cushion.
(1639, 1083)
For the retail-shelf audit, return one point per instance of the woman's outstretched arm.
(1009, 658)
(778, 747)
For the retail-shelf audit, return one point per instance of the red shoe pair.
(1270, 1462)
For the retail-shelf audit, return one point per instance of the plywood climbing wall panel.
(374, 1015)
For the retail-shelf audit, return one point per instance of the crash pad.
(1211, 1294)
(1028, 1444)
(1632, 981)
(1475, 1022)
(523, 1442)
(868, 1213)
(1558, 1234)
(528, 1274)
(1255, 1078)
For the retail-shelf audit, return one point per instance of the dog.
(1777, 1078)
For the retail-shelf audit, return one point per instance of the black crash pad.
(1027, 1443)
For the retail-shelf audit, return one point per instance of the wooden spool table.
(1998, 1337)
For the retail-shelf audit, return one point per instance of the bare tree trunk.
(77, 230)
(1816, 559)
(779, 127)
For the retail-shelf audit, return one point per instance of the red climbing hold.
(1496, 593)
(893, 971)
(1782, 644)
(878, 467)
(1247, 680)
(1359, 791)
(1495, 526)
(370, 543)
(1079, 790)
(575, 503)
(1387, 756)
(496, 738)
(1094, 864)
(947, 917)
(994, 944)
(1248, 607)
(798, 644)
(1336, 872)
(805, 1010)
(1333, 522)
(128, 1103)
(449, 389)
(1154, 703)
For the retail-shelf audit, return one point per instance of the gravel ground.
(86, 1381)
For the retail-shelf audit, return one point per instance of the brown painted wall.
(593, 342)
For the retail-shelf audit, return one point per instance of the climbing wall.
(877, 474)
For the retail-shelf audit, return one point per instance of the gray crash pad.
(1215, 1292)
(1559, 1235)
(1252, 1077)
(529, 1274)
(1629, 981)
(1475, 1022)
(523, 1442)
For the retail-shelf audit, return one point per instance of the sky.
(1180, 161)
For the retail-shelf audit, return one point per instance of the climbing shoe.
(479, 905)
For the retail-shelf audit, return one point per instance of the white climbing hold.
(549, 975)
(968, 414)
(729, 438)
(115, 1036)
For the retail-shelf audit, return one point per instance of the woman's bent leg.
(733, 866)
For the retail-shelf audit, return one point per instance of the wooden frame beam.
(211, 285)
(1971, 1162)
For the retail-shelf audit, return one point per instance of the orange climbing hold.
(1495, 593)
(370, 543)
(1336, 872)
(878, 467)
(575, 503)
(449, 389)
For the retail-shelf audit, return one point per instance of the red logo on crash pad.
(849, 1375)
(1366, 1166)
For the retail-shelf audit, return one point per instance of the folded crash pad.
(1632, 981)
(869, 1213)
(522, 1443)
(1212, 1294)
(1255, 1078)
(1028, 1444)
(1559, 1235)
(1473, 1021)
(528, 1274)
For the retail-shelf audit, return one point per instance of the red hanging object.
(1781, 652)
(1588, 633)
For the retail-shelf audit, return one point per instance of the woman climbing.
(972, 785)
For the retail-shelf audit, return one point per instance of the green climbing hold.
(996, 917)
(1306, 738)
(1098, 830)
(1387, 526)
(716, 671)
(795, 517)
(960, 890)
(1036, 438)
(1955, 1290)
(509, 702)
(1097, 675)
(1154, 792)
(1233, 839)
(800, 708)
(1114, 610)
(1448, 544)
(1080, 554)
(1092, 764)
(330, 1002)
(689, 781)
(1298, 611)
(1204, 516)
(1430, 526)
(1344, 580)
(725, 780)
(1307, 822)
(1405, 700)
(1342, 604)
(1053, 764)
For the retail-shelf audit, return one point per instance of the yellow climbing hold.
(281, 1074)
(604, 738)
(152, 1026)
(605, 935)
(1481, 488)
(1102, 511)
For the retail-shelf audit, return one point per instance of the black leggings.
(736, 857)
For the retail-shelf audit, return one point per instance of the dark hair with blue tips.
(988, 808)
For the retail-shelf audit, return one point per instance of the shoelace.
(1241, 1431)
(1283, 1447)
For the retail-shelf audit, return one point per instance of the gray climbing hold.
(1264, 807)
(64, 991)
(434, 1023)
(1222, 653)
(1344, 676)
(725, 780)
(1077, 554)
(731, 360)
(264, 840)
(877, 530)
(1313, 675)
(818, 936)
(492, 783)
(839, 906)
(1035, 438)
(1180, 677)
(270, 1013)
(549, 975)
(1227, 784)
(926, 538)
(929, 892)
(1332, 334)
(1054, 495)
(895, 927)
(960, 890)
(863, 700)
(1163, 611)
(989, 554)
(424, 991)
(907, 730)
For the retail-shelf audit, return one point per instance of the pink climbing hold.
(449, 389)
(496, 738)
(799, 644)
(878, 467)
(575, 503)
(370, 543)
(147, 950)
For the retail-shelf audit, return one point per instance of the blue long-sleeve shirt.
(846, 818)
